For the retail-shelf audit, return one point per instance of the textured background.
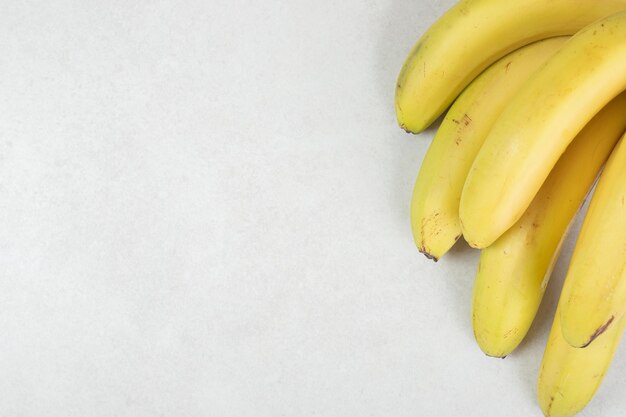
(204, 212)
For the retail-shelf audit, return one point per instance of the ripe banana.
(472, 35)
(538, 124)
(594, 292)
(513, 272)
(437, 192)
(569, 377)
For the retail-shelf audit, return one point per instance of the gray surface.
(204, 212)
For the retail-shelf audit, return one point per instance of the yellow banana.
(471, 36)
(437, 192)
(569, 377)
(513, 272)
(537, 126)
(594, 292)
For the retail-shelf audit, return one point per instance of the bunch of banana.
(537, 106)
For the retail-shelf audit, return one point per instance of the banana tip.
(408, 130)
(497, 356)
(428, 255)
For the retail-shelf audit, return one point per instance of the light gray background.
(204, 212)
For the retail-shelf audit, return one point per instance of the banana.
(471, 36)
(569, 377)
(594, 292)
(537, 126)
(437, 192)
(513, 272)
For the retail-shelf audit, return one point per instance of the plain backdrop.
(204, 212)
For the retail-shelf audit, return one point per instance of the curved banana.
(569, 377)
(472, 35)
(594, 292)
(513, 272)
(437, 192)
(537, 126)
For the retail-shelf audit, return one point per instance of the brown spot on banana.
(550, 405)
(599, 331)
